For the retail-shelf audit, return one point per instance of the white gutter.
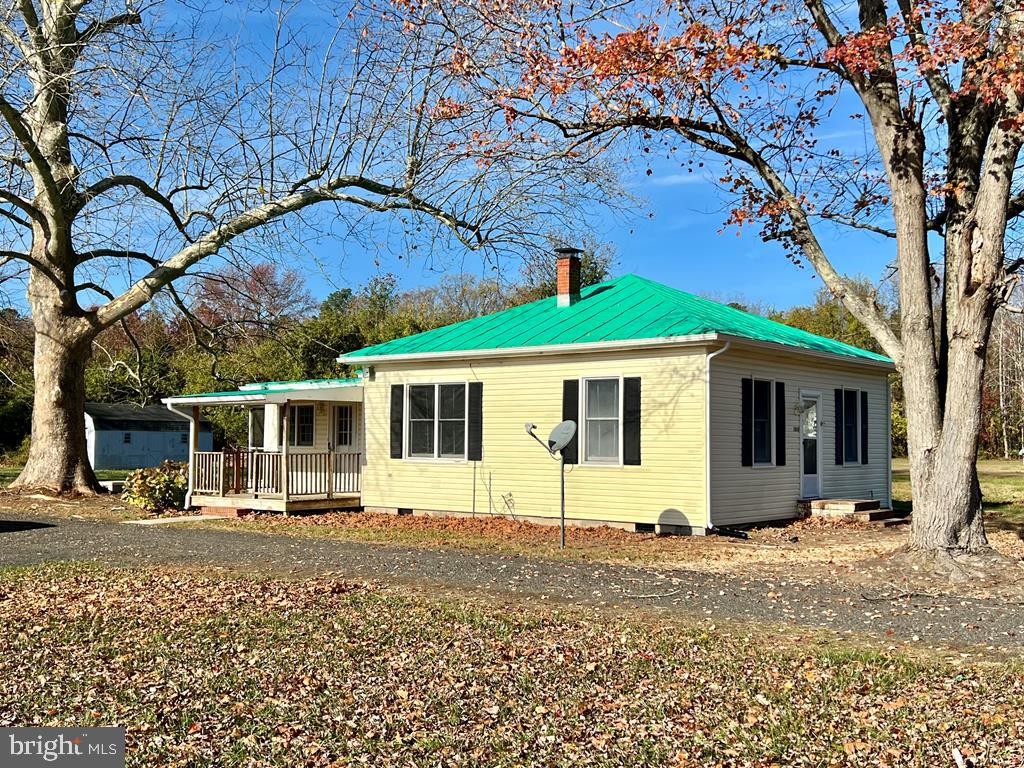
(833, 356)
(193, 429)
(612, 346)
(233, 399)
(549, 349)
(707, 432)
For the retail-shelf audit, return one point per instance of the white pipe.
(193, 432)
(707, 432)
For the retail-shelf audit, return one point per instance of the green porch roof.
(628, 308)
(276, 387)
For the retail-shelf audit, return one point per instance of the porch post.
(193, 447)
(330, 471)
(284, 457)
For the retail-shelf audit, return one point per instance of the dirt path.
(30, 539)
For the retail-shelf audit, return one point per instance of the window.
(127, 438)
(437, 421)
(343, 426)
(300, 425)
(184, 438)
(851, 427)
(602, 420)
(256, 423)
(762, 422)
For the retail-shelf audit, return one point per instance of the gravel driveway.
(37, 538)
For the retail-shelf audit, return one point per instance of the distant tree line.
(260, 323)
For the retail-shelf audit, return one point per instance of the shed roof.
(131, 412)
(627, 309)
(128, 416)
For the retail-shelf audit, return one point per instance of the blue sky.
(675, 237)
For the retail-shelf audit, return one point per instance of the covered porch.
(304, 451)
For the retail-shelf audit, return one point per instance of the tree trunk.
(944, 478)
(58, 459)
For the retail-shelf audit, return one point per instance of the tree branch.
(395, 198)
(128, 181)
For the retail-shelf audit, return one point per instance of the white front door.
(810, 448)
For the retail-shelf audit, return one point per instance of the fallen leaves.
(224, 670)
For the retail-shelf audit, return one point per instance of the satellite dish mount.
(560, 437)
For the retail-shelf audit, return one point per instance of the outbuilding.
(126, 436)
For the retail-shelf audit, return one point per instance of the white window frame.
(581, 422)
(351, 426)
(856, 410)
(407, 411)
(771, 423)
(293, 424)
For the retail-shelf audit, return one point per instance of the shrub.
(156, 489)
(17, 456)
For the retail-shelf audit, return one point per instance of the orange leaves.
(645, 63)
(448, 109)
(863, 52)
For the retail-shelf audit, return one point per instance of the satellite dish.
(561, 435)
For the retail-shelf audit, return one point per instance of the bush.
(156, 489)
(17, 456)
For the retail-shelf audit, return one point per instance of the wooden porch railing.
(259, 473)
(209, 472)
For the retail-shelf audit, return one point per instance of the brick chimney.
(568, 276)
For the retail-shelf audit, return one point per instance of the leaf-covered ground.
(225, 670)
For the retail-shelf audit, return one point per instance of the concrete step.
(844, 506)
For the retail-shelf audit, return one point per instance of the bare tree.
(134, 147)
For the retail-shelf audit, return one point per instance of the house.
(125, 436)
(691, 416)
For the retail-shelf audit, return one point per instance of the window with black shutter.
(851, 426)
(436, 416)
(762, 422)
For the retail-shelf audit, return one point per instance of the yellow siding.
(748, 494)
(323, 425)
(516, 477)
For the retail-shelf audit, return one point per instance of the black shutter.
(747, 422)
(780, 424)
(839, 426)
(475, 427)
(631, 421)
(397, 416)
(863, 427)
(571, 412)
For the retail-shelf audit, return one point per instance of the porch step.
(854, 510)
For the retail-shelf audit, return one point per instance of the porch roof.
(258, 393)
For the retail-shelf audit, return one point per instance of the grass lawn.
(232, 671)
(1002, 486)
(8, 474)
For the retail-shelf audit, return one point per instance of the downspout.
(193, 432)
(708, 527)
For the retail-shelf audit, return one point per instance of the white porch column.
(272, 427)
(193, 446)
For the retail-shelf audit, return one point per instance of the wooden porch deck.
(276, 481)
(240, 501)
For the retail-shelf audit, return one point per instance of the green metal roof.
(276, 387)
(302, 384)
(628, 308)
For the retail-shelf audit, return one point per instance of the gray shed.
(125, 436)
